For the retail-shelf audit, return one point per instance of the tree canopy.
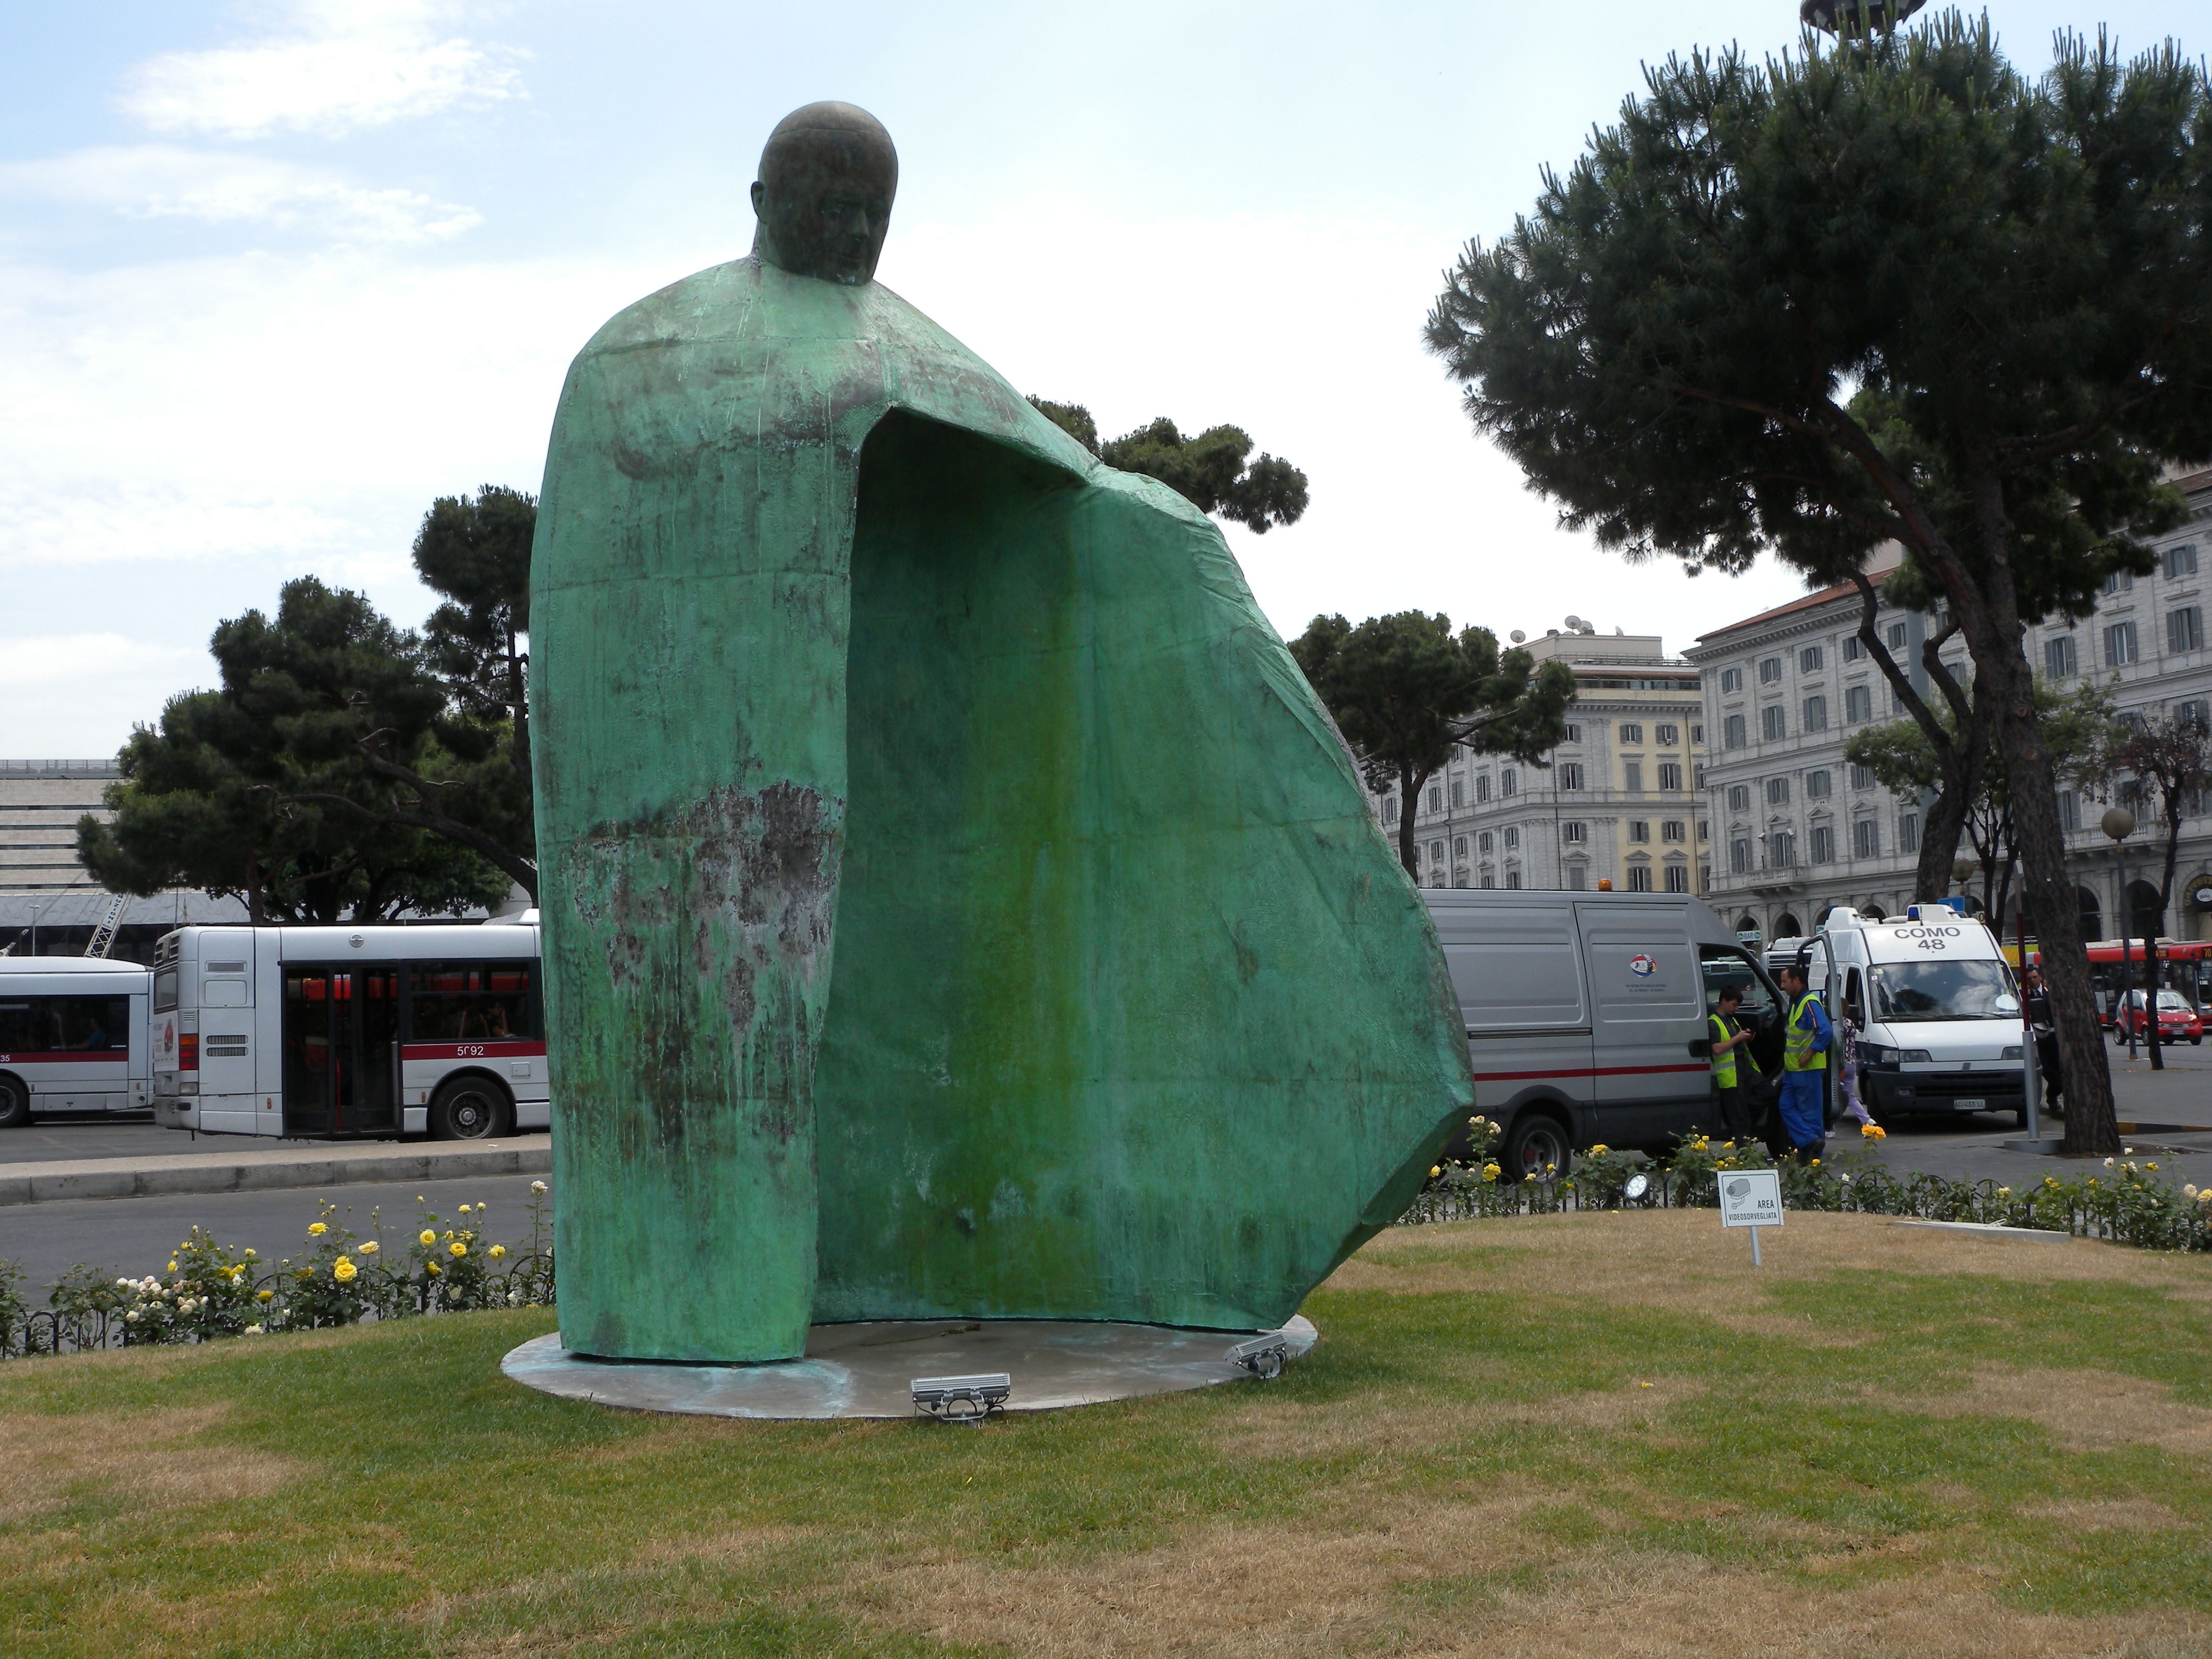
(1209, 470)
(1405, 690)
(476, 552)
(1885, 290)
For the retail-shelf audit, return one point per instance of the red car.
(2177, 1020)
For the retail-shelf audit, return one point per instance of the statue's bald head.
(824, 197)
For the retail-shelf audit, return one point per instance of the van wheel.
(469, 1109)
(1536, 1140)
(15, 1104)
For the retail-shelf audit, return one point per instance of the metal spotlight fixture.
(1263, 1356)
(1855, 20)
(960, 1399)
(1635, 1187)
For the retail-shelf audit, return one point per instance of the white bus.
(350, 1032)
(72, 1036)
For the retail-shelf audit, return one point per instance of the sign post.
(1752, 1199)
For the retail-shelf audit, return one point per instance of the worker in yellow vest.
(1729, 1035)
(1805, 1042)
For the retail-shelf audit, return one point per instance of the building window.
(2180, 561)
(1670, 777)
(1698, 774)
(1508, 781)
(1704, 877)
(1770, 670)
(1732, 731)
(1482, 786)
(1489, 880)
(1459, 847)
(1513, 879)
(1861, 778)
(1571, 774)
(1631, 731)
(1866, 839)
(1512, 839)
(1824, 844)
(1739, 856)
(1896, 636)
(1639, 830)
(1858, 705)
(1908, 833)
(1573, 832)
(1632, 776)
(1853, 647)
(1770, 723)
(1777, 791)
(2070, 810)
(1816, 786)
(2058, 660)
(1572, 734)
(1459, 794)
(1782, 850)
(1704, 829)
(1739, 798)
(2120, 581)
(1731, 680)
(1577, 877)
(1436, 852)
(1678, 878)
(2197, 713)
(1666, 736)
(1435, 800)
(1639, 877)
(1482, 841)
(1671, 829)
(2184, 630)
(1816, 713)
(2120, 645)
(1809, 660)
(1697, 734)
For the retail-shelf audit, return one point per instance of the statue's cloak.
(955, 902)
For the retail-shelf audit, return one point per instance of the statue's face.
(825, 201)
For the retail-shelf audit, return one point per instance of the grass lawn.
(1597, 1434)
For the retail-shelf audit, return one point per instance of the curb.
(1990, 1230)
(162, 1177)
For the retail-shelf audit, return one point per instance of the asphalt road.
(134, 1235)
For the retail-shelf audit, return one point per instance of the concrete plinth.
(867, 1370)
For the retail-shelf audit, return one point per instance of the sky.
(275, 275)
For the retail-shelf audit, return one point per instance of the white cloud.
(162, 181)
(342, 65)
(63, 695)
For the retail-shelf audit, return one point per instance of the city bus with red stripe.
(72, 1036)
(351, 1032)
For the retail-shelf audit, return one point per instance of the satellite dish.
(1575, 623)
(1517, 636)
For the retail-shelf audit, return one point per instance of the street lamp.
(1962, 871)
(2119, 823)
(1856, 19)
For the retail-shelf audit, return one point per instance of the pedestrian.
(2046, 1040)
(1807, 1039)
(1850, 1021)
(1729, 1035)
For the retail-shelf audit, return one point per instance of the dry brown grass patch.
(2114, 1515)
(2083, 1410)
(1410, 1424)
(150, 1459)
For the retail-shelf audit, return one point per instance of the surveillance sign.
(1750, 1197)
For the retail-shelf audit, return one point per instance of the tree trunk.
(1408, 848)
(1989, 611)
(257, 902)
(518, 691)
(1960, 760)
(2150, 935)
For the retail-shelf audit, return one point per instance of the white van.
(1938, 1011)
(73, 1036)
(1586, 1014)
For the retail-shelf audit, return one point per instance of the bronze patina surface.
(955, 902)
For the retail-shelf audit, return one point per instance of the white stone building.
(1616, 806)
(1797, 829)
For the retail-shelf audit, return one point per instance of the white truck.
(1938, 1011)
(1586, 1014)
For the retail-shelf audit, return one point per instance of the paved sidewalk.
(241, 1166)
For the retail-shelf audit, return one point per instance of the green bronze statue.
(956, 904)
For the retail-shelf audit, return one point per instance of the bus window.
(470, 1001)
(51, 1025)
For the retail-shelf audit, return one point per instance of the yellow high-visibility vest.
(1724, 1063)
(1797, 1054)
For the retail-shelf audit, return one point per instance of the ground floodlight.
(1263, 1356)
(1634, 1189)
(960, 1399)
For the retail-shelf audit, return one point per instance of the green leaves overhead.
(1208, 470)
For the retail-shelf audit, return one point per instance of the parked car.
(2176, 1019)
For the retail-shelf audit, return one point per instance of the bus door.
(341, 1047)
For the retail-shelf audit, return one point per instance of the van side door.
(1654, 1081)
(1517, 970)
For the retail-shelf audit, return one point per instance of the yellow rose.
(264, 1296)
(457, 1248)
(431, 1265)
(427, 1237)
(173, 1264)
(1600, 1147)
(371, 1248)
(343, 1271)
(498, 1251)
(1435, 1169)
(316, 1230)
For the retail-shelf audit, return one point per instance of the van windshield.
(1905, 991)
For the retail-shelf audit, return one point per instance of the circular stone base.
(867, 1370)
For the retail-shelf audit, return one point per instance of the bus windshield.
(1905, 992)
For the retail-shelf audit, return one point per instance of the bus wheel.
(1536, 1140)
(468, 1108)
(14, 1103)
